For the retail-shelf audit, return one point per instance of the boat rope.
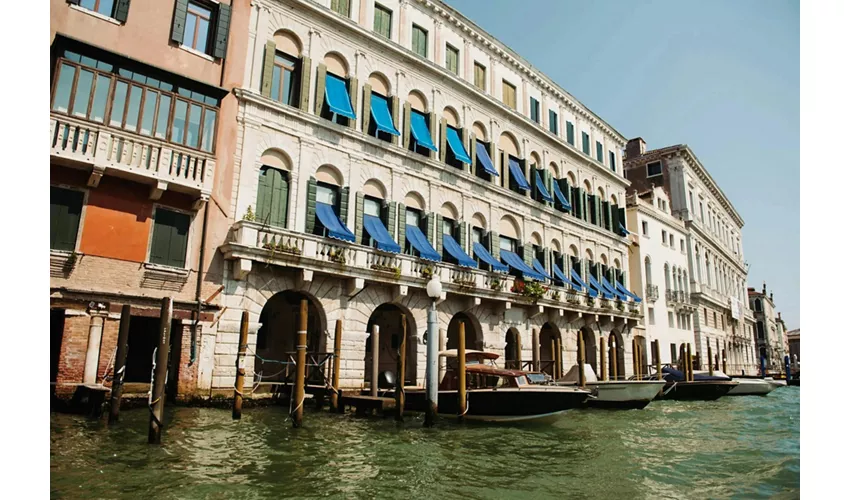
(671, 388)
(467, 407)
(109, 366)
(150, 391)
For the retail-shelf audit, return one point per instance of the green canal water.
(736, 447)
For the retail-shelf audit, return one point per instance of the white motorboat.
(746, 386)
(623, 394)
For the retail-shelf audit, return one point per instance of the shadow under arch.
(388, 318)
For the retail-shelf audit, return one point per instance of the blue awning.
(456, 146)
(620, 295)
(379, 233)
(382, 116)
(623, 231)
(541, 188)
(455, 250)
(627, 292)
(517, 175)
(420, 242)
(599, 288)
(514, 261)
(482, 253)
(336, 95)
(577, 280)
(421, 134)
(540, 269)
(560, 196)
(336, 228)
(484, 159)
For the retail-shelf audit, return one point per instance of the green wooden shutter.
(304, 88)
(366, 113)
(65, 209)
(278, 201)
(535, 193)
(179, 240)
(353, 95)
(527, 253)
(390, 218)
(402, 221)
(170, 238)
(615, 218)
(438, 234)
(430, 219)
(122, 8)
(344, 195)
(359, 202)
(264, 196)
(462, 230)
(222, 28)
(441, 138)
(394, 112)
(571, 134)
(493, 238)
(405, 133)
(179, 22)
(310, 223)
(606, 215)
(321, 75)
(268, 69)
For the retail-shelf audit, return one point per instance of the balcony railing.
(252, 241)
(130, 154)
(651, 293)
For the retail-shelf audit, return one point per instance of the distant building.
(794, 344)
(769, 335)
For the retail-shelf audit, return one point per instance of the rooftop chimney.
(771, 295)
(635, 147)
(764, 287)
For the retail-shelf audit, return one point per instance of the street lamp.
(434, 290)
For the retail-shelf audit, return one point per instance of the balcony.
(651, 293)
(356, 264)
(108, 151)
(679, 299)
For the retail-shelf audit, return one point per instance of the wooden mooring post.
(373, 381)
(240, 367)
(461, 372)
(335, 406)
(689, 364)
(559, 362)
(300, 366)
(399, 382)
(615, 361)
(603, 354)
(710, 361)
(656, 346)
(581, 377)
(120, 364)
(535, 350)
(554, 360)
(157, 404)
(723, 358)
(634, 357)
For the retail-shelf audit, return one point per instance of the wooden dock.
(365, 405)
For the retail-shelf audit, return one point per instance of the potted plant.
(496, 284)
(249, 215)
(427, 272)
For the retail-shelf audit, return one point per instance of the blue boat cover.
(599, 288)
(623, 231)
(379, 233)
(482, 253)
(484, 159)
(456, 146)
(541, 188)
(514, 261)
(517, 175)
(559, 195)
(577, 279)
(625, 290)
(381, 115)
(620, 295)
(455, 250)
(336, 96)
(540, 269)
(420, 243)
(420, 131)
(336, 228)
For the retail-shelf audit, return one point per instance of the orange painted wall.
(117, 220)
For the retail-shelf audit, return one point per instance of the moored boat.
(708, 388)
(619, 394)
(746, 386)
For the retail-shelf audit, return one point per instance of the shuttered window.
(383, 21)
(585, 143)
(116, 9)
(273, 197)
(481, 76)
(341, 7)
(599, 157)
(170, 238)
(612, 161)
(66, 205)
(285, 79)
(419, 43)
(553, 122)
(571, 133)
(196, 32)
(508, 94)
(201, 26)
(452, 56)
(534, 109)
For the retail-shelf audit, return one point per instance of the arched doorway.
(643, 358)
(512, 349)
(616, 357)
(589, 347)
(278, 335)
(472, 332)
(388, 318)
(549, 334)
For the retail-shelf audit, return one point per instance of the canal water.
(736, 447)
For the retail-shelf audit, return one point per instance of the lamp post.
(434, 289)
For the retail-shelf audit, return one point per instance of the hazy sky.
(721, 76)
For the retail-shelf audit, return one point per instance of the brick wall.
(72, 354)
(108, 343)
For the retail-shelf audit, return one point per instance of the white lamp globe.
(434, 288)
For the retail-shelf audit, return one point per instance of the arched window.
(283, 62)
(272, 196)
(758, 305)
(647, 270)
(666, 277)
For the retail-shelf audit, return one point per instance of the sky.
(721, 76)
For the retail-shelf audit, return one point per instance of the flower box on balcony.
(285, 248)
(395, 271)
(466, 283)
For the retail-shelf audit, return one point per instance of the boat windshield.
(521, 381)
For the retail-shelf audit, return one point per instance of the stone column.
(98, 316)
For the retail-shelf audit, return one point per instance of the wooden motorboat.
(706, 388)
(497, 395)
(745, 387)
(617, 394)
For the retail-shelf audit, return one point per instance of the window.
(670, 319)
(757, 305)
(412, 217)
(452, 57)
(760, 330)
(599, 152)
(508, 94)
(651, 314)
(682, 245)
(679, 321)
(272, 197)
(653, 169)
(701, 214)
(571, 133)
(663, 237)
(672, 241)
(585, 143)
(534, 110)
(506, 243)
(419, 42)
(196, 33)
(553, 122)
(691, 200)
(714, 317)
(170, 238)
(341, 7)
(644, 227)
(612, 161)
(104, 7)
(383, 21)
(480, 76)
(371, 206)
(284, 80)
(673, 353)
(66, 206)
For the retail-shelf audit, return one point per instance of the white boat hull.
(751, 387)
(625, 393)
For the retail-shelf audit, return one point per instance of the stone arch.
(509, 227)
(587, 187)
(418, 101)
(390, 319)
(643, 359)
(472, 330)
(555, 245)
(276, 158)
(589, 254)
(534, 159)
(616, 353)
(589, 338)
(336, 64)
(509, 144)
(600, 193)
(536, 239)
(603, 259)
(555, 170)
(380, 84)
(480, 131)
(414, 200)
(451, 116)
(571, 178)
(330, 175)
(478, 220)
(448, 210)
(614, 199)
(288, 42)
(574, 251)
(550, 333)
(513, 348)
(375, 188)
(617, 263)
